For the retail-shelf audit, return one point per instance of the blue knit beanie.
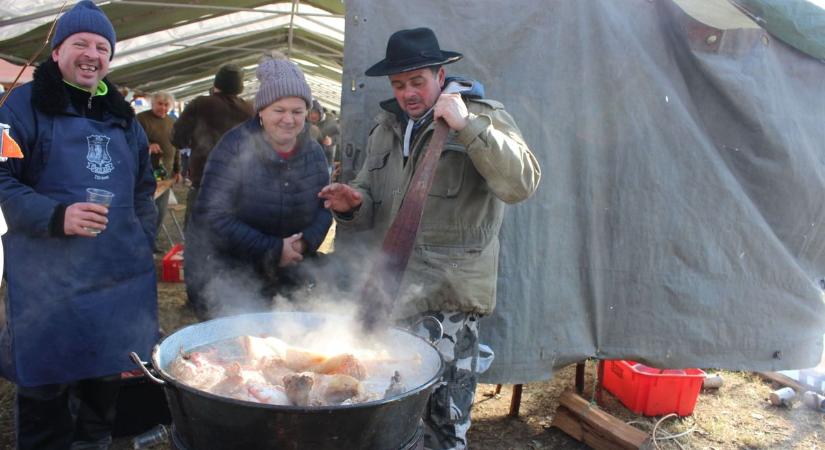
(85, 16)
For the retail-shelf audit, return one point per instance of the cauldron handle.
(437, 323)
(143, 366)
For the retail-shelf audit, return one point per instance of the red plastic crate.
(653, 392)
(173, 265)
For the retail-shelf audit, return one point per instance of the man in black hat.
(451, 274)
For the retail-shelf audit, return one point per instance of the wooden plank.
(566, 421)
(785, 380)
(597, 428)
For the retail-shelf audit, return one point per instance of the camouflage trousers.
(447, 418)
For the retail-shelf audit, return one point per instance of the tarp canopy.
(799, 23)
(679, 220)
(177, 46)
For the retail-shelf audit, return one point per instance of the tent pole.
(291, 27)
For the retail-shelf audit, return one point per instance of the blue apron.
(77, 306)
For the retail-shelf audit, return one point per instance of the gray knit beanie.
(85, 16)
(279, 77)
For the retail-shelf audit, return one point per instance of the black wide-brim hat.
(412, 50)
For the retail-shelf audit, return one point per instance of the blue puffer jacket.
(250, 199)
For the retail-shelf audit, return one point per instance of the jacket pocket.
(449, 175)
(460, 278)
(377, 166)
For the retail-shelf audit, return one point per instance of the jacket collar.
(50, 97)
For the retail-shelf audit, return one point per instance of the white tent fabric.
(10, 9)
(199, 34)
(276, 16)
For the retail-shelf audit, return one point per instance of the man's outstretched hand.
(340, 198)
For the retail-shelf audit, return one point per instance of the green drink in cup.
(101, 197)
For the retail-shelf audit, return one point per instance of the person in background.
(157, 124)
(185, 153)
(205, 119)
(331, 127)
(485, 164)
(258, 215)
(81, 291)
(314, 117)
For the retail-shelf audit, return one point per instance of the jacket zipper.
(89, 105)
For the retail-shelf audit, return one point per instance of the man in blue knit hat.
(82, 292)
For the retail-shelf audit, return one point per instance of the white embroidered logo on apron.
(99, 160)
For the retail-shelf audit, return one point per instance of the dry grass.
(737, 416)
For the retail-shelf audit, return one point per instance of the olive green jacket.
(454, 264)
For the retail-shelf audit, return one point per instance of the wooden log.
(596, 428)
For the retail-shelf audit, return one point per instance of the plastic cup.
(101, 197)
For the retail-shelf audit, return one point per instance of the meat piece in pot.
(196, 369)
(396, 386)
(344, 364)
(274, 370)
(300, 360)
(258, 349)
(269, 394)
(233, 385)
(297, 388)
(334, 389)
(312, 389)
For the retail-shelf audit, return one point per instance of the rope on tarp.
(34, 57)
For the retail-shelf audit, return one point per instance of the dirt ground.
(737, 416)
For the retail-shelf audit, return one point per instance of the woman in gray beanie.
(258, 215)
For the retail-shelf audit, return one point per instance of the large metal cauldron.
(205, 421)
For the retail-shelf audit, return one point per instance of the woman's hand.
(300, 246)
(289, 255)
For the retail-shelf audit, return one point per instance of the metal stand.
(170, 209)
